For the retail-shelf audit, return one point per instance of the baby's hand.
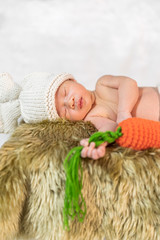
(122, 116)
(90, 151)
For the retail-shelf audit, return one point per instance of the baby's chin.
(79, 117)
(86, 114)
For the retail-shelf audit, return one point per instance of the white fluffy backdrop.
(87, 38)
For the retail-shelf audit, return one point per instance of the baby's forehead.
(68, 83)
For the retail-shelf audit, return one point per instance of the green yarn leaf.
(74, 203)
(108, 136)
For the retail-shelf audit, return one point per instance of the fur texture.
(121, 190)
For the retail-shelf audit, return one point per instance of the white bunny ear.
(9, 115)
(9, 90)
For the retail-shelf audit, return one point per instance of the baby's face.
(73, 101)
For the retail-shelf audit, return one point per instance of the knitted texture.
(9, 114)
(34, 101)
(139, 134)
(9, 103)
(37, 98)
(50, 96)
(9, 90)
(74, 203)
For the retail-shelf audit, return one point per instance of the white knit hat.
(35, 101)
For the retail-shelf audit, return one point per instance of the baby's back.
(147, 105)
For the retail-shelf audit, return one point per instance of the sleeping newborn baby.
(45, 96)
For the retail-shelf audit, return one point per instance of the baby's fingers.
(84, 152)
(87, 151)
(98, 152)
(91, 149)
(84, 142)
(92, 152)
(101, 151)
(95, 154)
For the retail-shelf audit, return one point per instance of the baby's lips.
(80, 103)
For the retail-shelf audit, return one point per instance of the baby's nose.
(71, 102)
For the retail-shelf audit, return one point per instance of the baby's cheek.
(76, 115)
(69, 116)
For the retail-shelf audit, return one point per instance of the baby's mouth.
(80, 103)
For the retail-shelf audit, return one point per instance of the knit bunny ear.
(9, 115)
(9, 90)
(9, 103)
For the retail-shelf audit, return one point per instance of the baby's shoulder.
(102, 123)
(97, 114)
(92, 113)
(104, 85)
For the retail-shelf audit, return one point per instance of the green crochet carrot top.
(74, 203)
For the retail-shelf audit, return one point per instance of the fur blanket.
(121, 190)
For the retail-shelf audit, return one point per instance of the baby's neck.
(93, 97)
(93, 100)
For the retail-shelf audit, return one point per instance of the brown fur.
(122, 190)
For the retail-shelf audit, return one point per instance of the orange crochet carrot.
(139, 134)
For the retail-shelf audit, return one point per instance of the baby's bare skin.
(118, 98)
(115, 98)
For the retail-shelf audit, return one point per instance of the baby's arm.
(128, 93)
